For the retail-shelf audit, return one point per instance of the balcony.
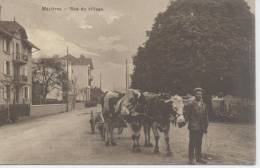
(20, 58)
(7, 79)
(21, 79)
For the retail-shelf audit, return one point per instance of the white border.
(257, 46)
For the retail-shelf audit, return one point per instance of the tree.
(206, 43)
(37, 92)
(49, 74)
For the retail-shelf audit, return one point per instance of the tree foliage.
(49, 74)
(206, 43)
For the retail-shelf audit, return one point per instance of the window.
(17, 50)
(26, 93)
(24, 70)
(7, 92)
(6, 46)
(7, 68)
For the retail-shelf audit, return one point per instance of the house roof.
(31, 44)
(9, 28)
(13, 27)
(82, 60)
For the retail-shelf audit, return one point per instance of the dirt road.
(65, 139)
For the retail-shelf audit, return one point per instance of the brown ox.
(160, 111)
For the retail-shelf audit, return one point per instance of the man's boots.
(191, 162)
(201, 161)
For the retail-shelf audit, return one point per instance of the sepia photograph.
(127, 82)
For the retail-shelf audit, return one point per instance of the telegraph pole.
(100, 81)
(89, 81)
(126, 75)
(67, 87)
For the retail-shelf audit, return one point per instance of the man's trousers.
(195, 144)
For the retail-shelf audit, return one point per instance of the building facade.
(80, 76)
(15, 64)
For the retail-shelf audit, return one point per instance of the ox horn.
(167, 101)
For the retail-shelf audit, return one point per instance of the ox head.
(132, 103)
(177, 106)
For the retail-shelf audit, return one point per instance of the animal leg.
(166, 137)
(111, 131)
(137, 140)
(156, 137)
(106, 134)
(134, 145)
(149, 136)
(92, 125)
(102, 131)
(145, 135)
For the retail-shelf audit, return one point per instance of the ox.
(111, 117)
(131, 107)
(160, 111)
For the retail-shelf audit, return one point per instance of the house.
(15, 64)
(80, 76)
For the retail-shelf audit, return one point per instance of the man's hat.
(198, 89)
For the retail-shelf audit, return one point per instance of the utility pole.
(126, 75)
(100, 81)
(67, 87)
(89, 81)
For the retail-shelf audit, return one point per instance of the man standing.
(197, 117)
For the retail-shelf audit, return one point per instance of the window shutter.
(4, 67)
(28, 91)
(22, 70)
(3, 45)
(23, 92)
(25, 71)
(11, 68)
(4, 92)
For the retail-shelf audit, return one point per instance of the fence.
(34, 111)
(233, 108)
(50, 109)
(47, 109)
(13, 112)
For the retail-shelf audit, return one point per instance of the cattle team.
(154, 112)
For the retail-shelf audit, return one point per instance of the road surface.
(65, 138)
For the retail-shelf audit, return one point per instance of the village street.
(65, 138)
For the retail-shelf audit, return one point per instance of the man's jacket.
(197, 116)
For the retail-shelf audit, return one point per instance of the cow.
(110, 115)
(160, 111)
(131, 108)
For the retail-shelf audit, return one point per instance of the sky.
(109, 36)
